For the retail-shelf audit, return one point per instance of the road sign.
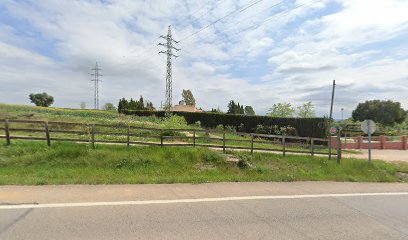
(333, 130)
(368, 126)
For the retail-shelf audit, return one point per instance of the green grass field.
(9, 111)
(33, 163)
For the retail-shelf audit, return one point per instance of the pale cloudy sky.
(263, 52)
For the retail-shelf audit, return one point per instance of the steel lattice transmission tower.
(96, 81)
(169, 45)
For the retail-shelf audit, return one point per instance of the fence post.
(6, 128)
(312, 146)
(252, 143)
(223, 142)
(161, 138)
(93, 135)
(194, 137)
(284, 145)
(404, 142)
(128, 136)
(338, 148)
(47, 133)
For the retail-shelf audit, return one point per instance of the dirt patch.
(385, 155)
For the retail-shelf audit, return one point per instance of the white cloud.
(300, 51)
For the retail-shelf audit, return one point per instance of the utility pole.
(330, 117)
(96, 81)
(342, 116)
(169, 53)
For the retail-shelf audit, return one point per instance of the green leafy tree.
(249, 111)
(282, 110)
(41, 99)
(109, 107)
(387, 113)
(307, 110)
(188, 97)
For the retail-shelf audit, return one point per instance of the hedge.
(305, 127)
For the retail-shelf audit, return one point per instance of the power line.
(96, 81)
(273, 16)
(240, 9)
(191, 15)
(169, 52)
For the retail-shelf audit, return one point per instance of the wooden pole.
(330, 117)
(47, 133)
(252, 144)
(194, 138)
(93, 135)
(284, 146)
(128, 136)
(312, 146)
(223, 142)
(161, 138)
(6, 128)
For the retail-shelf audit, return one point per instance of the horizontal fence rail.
(51, 131)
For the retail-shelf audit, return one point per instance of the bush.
(305, 127)
(197, 124)
(175, 121)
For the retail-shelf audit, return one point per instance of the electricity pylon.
(96, 75)
(169, 53)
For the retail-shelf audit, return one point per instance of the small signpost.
(368, 127)
(333, 130)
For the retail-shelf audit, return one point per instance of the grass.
(33, 163)
(13, 111)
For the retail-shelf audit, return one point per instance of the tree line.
(386, 113)
(132, 104)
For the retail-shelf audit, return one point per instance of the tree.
(109, 107)
(188, 97)
(387, 113)
(123, 105)
(282, 110)
(306, 110)
(232, 107)
(140, 104)
(249, 111)
(82, 105)
(149, 106)
(235, 108)
(41, 99)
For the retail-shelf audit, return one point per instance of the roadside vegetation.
(88, 116)
(33, 163)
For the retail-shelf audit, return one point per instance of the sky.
(256, 52)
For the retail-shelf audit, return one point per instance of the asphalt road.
(206, 211)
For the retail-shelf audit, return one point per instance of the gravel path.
(385, 155)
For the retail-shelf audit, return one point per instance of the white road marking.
(196, 200)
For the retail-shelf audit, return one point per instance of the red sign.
(333, 130)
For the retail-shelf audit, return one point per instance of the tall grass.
(72, 163)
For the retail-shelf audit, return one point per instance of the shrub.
(175, 121)
(305, 127)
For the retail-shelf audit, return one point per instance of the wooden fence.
(50, 131)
